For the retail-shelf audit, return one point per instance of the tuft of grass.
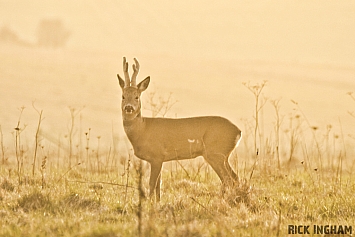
(102, 232)
(7, 185)
(239, 193)
(75, 201)
(36, 201)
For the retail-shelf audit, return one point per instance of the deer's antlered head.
(131, 92)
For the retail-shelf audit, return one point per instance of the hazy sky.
(302, 30)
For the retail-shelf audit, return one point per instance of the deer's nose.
(129, 109)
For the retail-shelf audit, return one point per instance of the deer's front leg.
(154, 182)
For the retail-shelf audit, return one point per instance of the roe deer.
(157, 140)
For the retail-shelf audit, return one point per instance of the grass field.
(71, 172)
(106, 202)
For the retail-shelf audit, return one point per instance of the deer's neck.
(134, 127)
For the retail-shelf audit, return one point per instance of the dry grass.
(92, 203)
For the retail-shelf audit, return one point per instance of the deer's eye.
(123, 97)
(137, 98)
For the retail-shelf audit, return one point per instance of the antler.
(125, 70)
(135, 72)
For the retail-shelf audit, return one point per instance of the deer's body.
(157, 140)
(164, 139)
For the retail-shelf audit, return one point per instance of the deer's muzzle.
(129, 109)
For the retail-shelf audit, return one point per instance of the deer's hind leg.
(218, 145)
(220, 165)
(231, 172)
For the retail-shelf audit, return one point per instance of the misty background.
(199, 52)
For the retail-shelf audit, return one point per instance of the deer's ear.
(120, 81)
(142, 86)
